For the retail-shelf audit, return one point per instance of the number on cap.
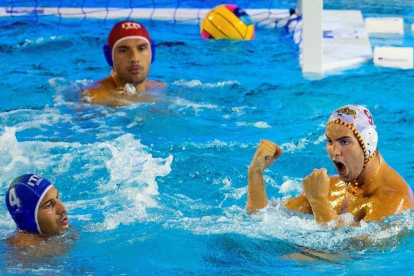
(13, 199)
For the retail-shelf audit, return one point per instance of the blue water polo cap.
(23, 198)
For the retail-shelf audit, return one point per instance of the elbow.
(253, 208)
(250, 210)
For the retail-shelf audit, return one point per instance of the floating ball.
(227, 22)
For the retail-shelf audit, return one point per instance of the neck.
(366, 179)
(124, 87)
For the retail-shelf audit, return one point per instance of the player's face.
(345, 152)
(51, 214)
(132, 59)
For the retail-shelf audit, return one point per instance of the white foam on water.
(24, 119)
(228, 191)
(133, 174)
(292, 146)
(130, 163)
(183, 104)
(123, 199)
(60, 85)
(21, 157)
(276, 222)
(198, 83)
(10, 151)
(259, 124)
(320, 139)
(238, 111)
(68, 93)
(39, 41)
(127, 215)
(291, 185)
(7, 224)
(215, 144)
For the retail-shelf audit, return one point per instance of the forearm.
(256, 194)
(322, 210)
(299, 204)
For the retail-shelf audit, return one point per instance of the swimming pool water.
(160, 188)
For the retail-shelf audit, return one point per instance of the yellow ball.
(227, 22)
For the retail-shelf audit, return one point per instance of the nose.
(60, 208)
(134, 55)
(337, 150)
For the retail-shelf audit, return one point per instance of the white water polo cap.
(358, 119)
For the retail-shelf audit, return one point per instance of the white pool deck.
(345, 41)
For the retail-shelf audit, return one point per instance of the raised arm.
(267, 152)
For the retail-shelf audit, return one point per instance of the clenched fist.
(316, 185)
(267, 152)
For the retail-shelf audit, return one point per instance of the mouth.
(340, 168)
(64, 220)
(135, 70)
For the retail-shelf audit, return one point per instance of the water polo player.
(35, 207)
(366, 186)
(130, 52)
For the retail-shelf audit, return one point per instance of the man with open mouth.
(366, 186)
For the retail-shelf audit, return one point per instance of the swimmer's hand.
(267, 152)
(316, 189)
(316, 185)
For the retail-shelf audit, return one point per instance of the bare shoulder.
(393, 196)
(98, 87)
(24, 239)
(393, 183)
(98, 92)
(154, 83)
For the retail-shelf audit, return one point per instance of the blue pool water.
(160, 188)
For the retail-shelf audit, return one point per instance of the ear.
(152, 50)
(371, 136)
(18, 216)
(108, 55)
(25, 221)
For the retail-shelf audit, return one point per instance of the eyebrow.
(57, 196)
(340, 138)
(144, 43)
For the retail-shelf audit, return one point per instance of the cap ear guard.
(152, 50)
(24, 221)
(370, 137)
(108, 53)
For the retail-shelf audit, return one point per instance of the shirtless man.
(129, 52)
(35, 207)
(366, 186)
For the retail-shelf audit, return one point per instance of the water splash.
(197, 83)
(183, 104)
(121, 175)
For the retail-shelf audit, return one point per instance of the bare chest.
(124, 98)
(344, 202)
